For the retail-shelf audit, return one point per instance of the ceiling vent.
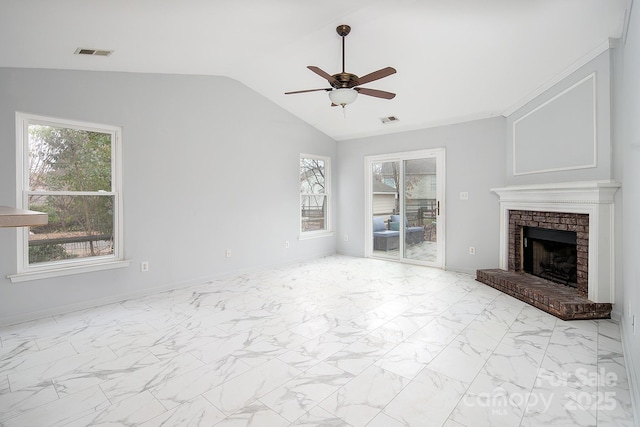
(389, 119)
(94, 52)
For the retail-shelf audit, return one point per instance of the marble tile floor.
(337, 341)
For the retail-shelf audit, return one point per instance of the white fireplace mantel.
(594, 198)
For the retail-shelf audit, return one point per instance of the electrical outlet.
(286, 244)
(144, 266)
(464, 195)
(227, 253)
(472, 250)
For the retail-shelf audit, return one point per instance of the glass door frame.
(439, 155)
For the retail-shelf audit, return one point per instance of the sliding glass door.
(405, 203)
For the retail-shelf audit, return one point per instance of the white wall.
(627, 147)
(208, 165)
(475, 158)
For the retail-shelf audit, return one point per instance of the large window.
(314, 194)
(71, 171)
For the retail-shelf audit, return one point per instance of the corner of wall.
(632, 373)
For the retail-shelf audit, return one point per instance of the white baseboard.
(84, 305)
(352, 254)
(632, 372)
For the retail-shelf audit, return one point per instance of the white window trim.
(328, 231)
(66, 267)
(306, 235)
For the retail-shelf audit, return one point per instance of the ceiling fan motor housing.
(344, 80)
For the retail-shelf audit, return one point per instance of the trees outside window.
(71, 171)
(314, 193)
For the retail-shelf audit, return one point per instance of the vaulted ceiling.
(457, 60)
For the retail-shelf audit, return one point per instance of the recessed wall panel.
(559, 134)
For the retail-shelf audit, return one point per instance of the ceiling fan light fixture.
(343, 96)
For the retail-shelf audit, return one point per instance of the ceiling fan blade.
(375, 92)
(376, 75)
(307, 90)
(323, 74)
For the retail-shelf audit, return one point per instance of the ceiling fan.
(345, 87)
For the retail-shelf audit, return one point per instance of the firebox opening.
(550, 254)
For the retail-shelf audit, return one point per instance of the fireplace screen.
(550, 254)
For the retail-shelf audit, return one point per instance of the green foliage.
(70, 159)
(46, 253)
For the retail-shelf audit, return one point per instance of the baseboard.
(351, 254)
(616, 313)
(632, 373)
(84, 305)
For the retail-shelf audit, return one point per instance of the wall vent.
(389, 119)
(94, 52)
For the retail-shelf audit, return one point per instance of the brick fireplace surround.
(555, 221)
(587, 209)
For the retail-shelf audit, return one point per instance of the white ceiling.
(456, 59)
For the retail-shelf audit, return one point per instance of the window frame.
(327, 231)
(25, 271)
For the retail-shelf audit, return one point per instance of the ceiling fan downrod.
(343, 31)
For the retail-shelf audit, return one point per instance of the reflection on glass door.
(405, 205)
(384, 204)
(420, 209)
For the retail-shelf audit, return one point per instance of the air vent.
(389, 119)
(94, 52)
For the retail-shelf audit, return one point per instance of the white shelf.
(11, 217)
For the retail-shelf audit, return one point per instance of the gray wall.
(627, 148)
(475, 158)
(208, 165)
(551, 142)
(558, 106)
(570, 134)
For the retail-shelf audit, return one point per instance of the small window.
(314, 194)
(71, 171)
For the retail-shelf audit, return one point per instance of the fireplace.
(550, 254)
(557, 248)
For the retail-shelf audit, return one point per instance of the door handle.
(438, 208)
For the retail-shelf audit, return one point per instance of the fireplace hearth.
(548, 264)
